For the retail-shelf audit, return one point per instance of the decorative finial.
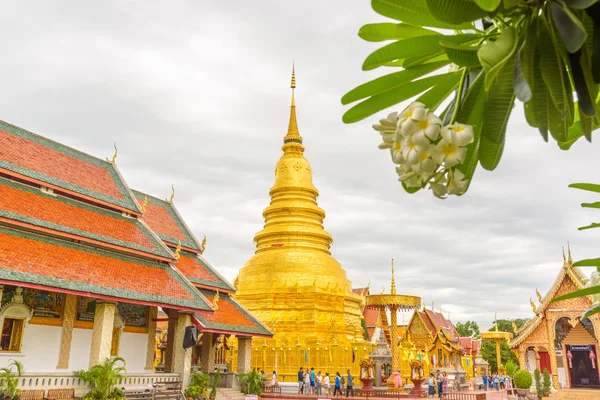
(177, 250)
(533, 307)
(144, 204)
(514, 326)
(368, 286)
(114, 157)
(203, 245)
(293, 85)
(432, 306)
(538, 294)
(569, 254)
(170, 201)
(215, 302)
(393, 287)
(293, 135)
(496, 321)
(564, 258)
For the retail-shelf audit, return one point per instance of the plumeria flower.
(387, 128)
(457, 184)
(414, 111)
(428, 129)
(439, 185)
(409, 177)
(426, 166)
(411, 150)
(396, 152)
(450, 150)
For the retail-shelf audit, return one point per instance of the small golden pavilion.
(556, 338)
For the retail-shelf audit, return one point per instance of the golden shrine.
(556, 338)
(293, 284)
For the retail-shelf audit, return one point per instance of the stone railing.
(67, 380)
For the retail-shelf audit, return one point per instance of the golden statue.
(533, 307)
(144, 204)
(178, 250)
(538, 294)
(203, 245)
(114, 157)
(294, 247)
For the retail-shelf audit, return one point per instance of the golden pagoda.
(293, 284)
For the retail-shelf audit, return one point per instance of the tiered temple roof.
(69, 223)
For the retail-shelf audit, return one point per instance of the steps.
(229, 394)
(576, 394)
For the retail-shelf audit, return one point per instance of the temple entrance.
(582, 366)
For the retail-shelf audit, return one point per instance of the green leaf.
(455, 11)
(499, 104)
(569, 27)
(557, 124)
(553, 70)
(590, 262)
(437, 94)
(471, 113)
(521, 87)
(488, 5)
(586, 104)
(494, 55)
(580, 4)
(490, 153)
(437, 55)
(591, 226)
(391, 31)
(410, 190)
(393, 96)
(529, 114)
(595, 204)
(390, 81)
(414, 12)
(578, 293)
(464, 56)
(591, 311)
(413, 47)
(590, 187)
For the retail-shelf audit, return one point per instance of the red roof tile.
(199, 272)
(30, 205)
(371, 316)
(161, 222)
(427, 322)
(45, 261)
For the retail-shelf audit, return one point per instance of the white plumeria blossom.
(415, 111)
(409, 177)
(451, 149)
(457, 184)
(396, 152)
(411, 150)
(387, 128)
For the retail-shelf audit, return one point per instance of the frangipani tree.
(477, 57)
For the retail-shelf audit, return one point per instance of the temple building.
(87, 265)
(556, 338)
(293, 284)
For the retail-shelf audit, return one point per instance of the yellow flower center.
(409, 114)
(423, 124)
(459, 128)
(423, 156)
(449, 150)
(397, 146)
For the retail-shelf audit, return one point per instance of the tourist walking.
(327, 383)
(274, 382)
(319, 382)
(485, 381)
(440, 380)
(444, 383)
(338, 384)
(501, 382)
(307, 382)
(349, 384)
(507, 383)
(432, 383)
(312, 380)
(300, 380)
(496, 382)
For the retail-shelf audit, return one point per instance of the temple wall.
(133, 350)
(39, 351)
(80, 349)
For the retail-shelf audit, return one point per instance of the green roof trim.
(190, 241)
(257, 329)
(127, 201)
(198, 302)
(158, 248)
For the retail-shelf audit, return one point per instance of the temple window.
(12, 334)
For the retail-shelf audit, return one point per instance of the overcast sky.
(196, 93)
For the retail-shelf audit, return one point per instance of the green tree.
(475, 58)
(469, 328)
(488, 347)
(363, 325)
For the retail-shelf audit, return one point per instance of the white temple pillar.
(207, 358)
(244, 354)
(104, 318)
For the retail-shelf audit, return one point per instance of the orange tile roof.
(230, 317)
(30, 205)
(427, 322)
(371, 315)
(163, 218)
(34, 157)
(199, 272)
(53, 263)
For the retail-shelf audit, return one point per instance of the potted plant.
(102, 378)
(215, 381)
(537, 377)
(546, 383)
(523, 382)
(9, 380)
(253, 381)
(198, 386)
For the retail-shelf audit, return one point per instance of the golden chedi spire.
(292, 272)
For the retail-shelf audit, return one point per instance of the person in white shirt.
(327, 383)
(318, 383)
